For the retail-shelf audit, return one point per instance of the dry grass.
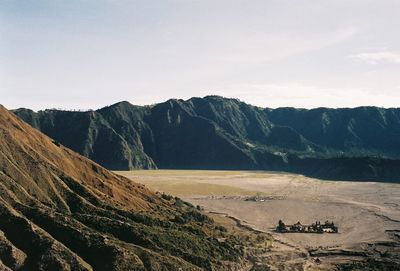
(189, 189)
(190, 183)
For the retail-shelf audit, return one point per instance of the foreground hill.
(61, 211)
(218, 133)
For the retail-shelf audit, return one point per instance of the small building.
(317, 227)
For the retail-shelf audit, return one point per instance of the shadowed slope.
(219, 133)
(60, 211)
(89, 134)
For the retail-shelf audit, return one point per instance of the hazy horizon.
(172, 98)
(305, 54)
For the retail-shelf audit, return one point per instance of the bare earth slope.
(61, 211)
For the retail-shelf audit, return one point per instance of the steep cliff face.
(352, 131)
(115, 146)
(219, 133)
(61, 211)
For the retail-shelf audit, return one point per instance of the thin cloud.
(297, 94)
(259, 47)
(378, 57)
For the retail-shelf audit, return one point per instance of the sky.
(271, 53)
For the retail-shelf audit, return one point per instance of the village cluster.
(317, 227)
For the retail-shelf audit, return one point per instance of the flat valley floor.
(367, 213)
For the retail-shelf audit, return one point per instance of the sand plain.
(367, 213)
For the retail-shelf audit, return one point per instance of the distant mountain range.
(61, 211)
(218, 133)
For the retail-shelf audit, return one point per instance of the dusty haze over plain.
(306, 53)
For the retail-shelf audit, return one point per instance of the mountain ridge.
(222, 133)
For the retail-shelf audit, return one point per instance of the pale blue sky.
(304, 53)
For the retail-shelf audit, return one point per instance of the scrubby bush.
(179, 202)
(166, 196)
(221, 228)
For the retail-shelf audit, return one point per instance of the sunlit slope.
(60, 211)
